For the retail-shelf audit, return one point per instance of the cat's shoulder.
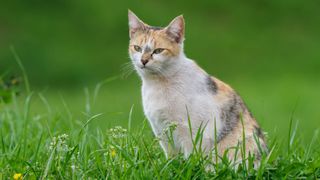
(220, 86)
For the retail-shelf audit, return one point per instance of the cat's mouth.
(147, 69)
(144, 67)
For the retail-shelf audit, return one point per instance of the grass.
(66, 144)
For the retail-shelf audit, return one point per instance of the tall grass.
(42, 146)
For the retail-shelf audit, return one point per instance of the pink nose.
(144, 61)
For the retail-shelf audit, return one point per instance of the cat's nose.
(144, 61)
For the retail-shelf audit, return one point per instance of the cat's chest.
(176, 103)
(163, 103)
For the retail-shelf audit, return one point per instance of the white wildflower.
(117, 132)
(59, 143)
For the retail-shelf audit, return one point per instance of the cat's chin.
(147, 71)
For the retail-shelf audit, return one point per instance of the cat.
(175, 90)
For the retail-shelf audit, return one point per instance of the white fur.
(172, 89)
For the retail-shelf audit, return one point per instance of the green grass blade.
(25, 77)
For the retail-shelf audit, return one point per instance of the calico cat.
(176, 90)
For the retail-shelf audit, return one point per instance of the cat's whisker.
(127, 69)
(126, 74)
(126, 64)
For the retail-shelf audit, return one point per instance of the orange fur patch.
(159, 39)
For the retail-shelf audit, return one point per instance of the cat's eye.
(158, 51)
(137, 48)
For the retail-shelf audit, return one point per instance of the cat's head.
(155, 50)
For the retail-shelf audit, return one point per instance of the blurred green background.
(268, 50)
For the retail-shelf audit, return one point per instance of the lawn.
(100, 132)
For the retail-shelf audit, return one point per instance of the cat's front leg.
(168, 147)
(186, 142)
(175, 139)
(183, 140)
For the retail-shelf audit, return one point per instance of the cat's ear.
(135, 24)
(176, 29)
